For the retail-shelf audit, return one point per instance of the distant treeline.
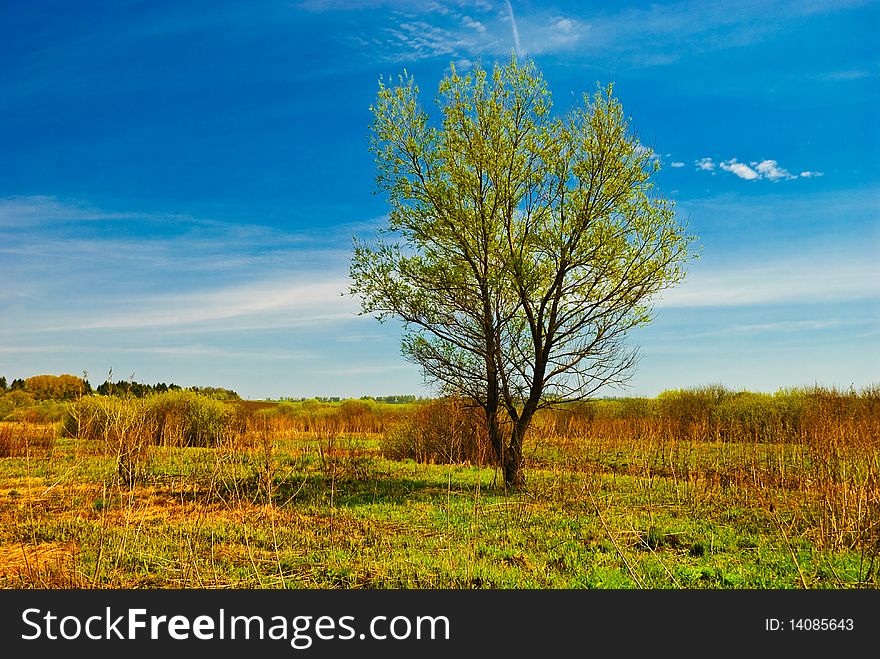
(69, 387)
(48, 387)
(141, 390)
(402, 399)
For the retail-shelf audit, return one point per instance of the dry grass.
(817, 448)
(41, 565)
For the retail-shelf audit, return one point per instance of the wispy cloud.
(156, 271)
(846, 75)
(293, 301)
(651, 35)
(657, 34)
(814, 279)
(463, 31)
(514, 28)
(33, 211)
(705, 164)
(782, 326)
(213, 352)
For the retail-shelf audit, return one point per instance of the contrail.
(516, 44)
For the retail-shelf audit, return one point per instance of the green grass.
(312, 512)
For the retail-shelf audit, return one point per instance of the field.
(695, 489)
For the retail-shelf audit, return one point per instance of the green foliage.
(44, 411)
(132, 388)
(217, 393)
(14, 399)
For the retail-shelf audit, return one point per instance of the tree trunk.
(512, 461)
(513, 472)
(514, 478)
(508, 455)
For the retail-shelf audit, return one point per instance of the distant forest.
(70, 387)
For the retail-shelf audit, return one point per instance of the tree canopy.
(521, 247)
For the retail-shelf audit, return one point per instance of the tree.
(520, 247)
(55, 387)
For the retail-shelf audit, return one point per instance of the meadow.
(703, 488)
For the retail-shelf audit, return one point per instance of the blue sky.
(180, 181)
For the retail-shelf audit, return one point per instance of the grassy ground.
(311, 511)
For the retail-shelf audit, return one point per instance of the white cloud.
(740, 169)
(467, 21)
(770, 169)
(787, 326)
(171, 351)
(648, 34)
(564, 25)
(556, 34)
(676, 164)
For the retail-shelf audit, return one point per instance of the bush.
(176, 418)
(14, 400)
(443, 431)
(22, 439)
(47, 411)
(186, 418)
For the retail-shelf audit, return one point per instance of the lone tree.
(520, 247)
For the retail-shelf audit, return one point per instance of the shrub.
(176, 418)
(186, 418)
(14, 399)
(445, 431)
(22, 439)
(47, 411)
(119, 425)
